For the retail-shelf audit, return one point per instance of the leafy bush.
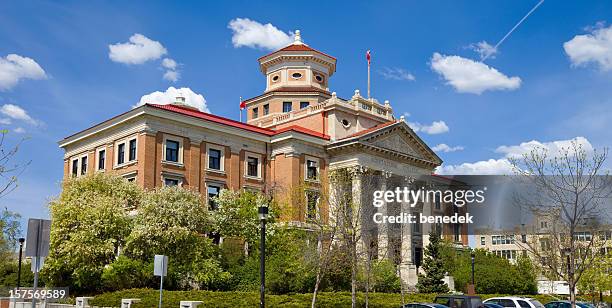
(125, 273)
(384, 277)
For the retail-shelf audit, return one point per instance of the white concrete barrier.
(189, 304)
(82, 302)
(128, 302)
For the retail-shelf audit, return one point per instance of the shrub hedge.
(150, 299)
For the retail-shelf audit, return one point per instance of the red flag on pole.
(368, 57)
(242, 104)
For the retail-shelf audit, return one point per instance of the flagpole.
(368, 79)
(369, 59)
(240, 110)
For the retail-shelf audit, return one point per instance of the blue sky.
(532, 89)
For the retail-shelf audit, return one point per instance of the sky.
(67, 66)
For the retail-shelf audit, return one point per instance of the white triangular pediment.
(397, 141)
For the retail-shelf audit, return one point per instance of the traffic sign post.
(160, 269)
(37, 246)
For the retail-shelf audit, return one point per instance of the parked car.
(567, 304)
(459, 301)
(515, 302)
(423, 305)
(491, 305)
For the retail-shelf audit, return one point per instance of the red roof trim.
(233, 123)
(214, 118)
(297, 47)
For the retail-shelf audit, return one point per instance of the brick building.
(296, 131)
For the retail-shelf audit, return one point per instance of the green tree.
(9, 233)
(90, 223)
(173, 221)
(597, 278)
(433, 266)
(236, 214)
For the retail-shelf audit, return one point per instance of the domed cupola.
(297, 66)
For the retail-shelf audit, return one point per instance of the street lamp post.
(21, 241)
(472, 254)
(263, 216)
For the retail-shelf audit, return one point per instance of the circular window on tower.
(319, 78)
(346, 123)
(296, 75)
(275, 78)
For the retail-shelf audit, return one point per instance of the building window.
(437, 204)
(304, 105)
(255, 112)
(83, 165)
(252, 166)
(312, 169)
(121, 153)
(101, 159)
(215, 159)
(502, 239)
(416, 227)
(266, 109)
(171, 182)
(286, 106)
(482, 241)
(213, 191)
(172, 151)
(132, 150)
(312, 204)
(75, 167)
(457, 232)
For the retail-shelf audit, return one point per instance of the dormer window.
(275, 78)
(319, 78)
(255, 112)
(296, 75)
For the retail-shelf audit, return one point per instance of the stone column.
(408, 269)
(356, 205)
(383, 228)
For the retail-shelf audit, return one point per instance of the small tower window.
(319, 78)
(255, 112)
(266, 109)
(275, 78)
(286, 106)
(346, 123)
(296, 75)
(304, 105)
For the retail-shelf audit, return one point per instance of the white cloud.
(17, 113)
(553, 148)
(138, 50)
(396, 73)
(484, 49)
(169, 96)
(15, 67)
(503, 166)
(19, 130)
(595, 47)
(443, 147)
(485, 167)
(250, 33)
(436, 127)
(168, 63)
(5, 121)
(172, 76)
(469, 76)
